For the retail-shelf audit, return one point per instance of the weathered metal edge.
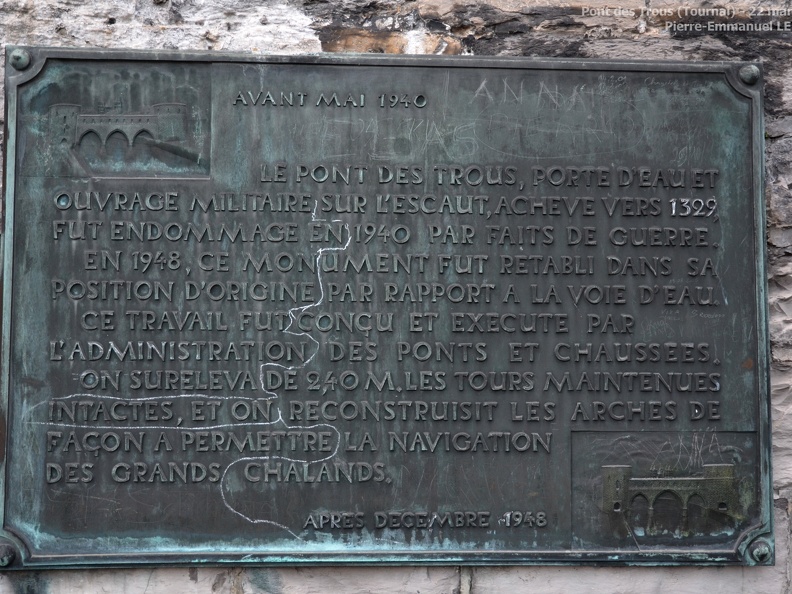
(754, 549)
(503, 62)
(757, 544)
(11, 548)
(667, 557)
(744, 552)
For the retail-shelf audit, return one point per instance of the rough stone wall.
(623, 29)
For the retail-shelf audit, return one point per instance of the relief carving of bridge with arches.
(715, 489)
(164, 122)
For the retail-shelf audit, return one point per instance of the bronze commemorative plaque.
(382, 310)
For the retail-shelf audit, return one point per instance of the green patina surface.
(361, 310)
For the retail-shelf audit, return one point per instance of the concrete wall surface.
(579, 29)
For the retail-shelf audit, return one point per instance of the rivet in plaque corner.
(20, 59)
(749, 74)
(760, 551)
(7, 555)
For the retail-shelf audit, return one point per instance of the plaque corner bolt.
(7, 555)
(20, 59)
(750, 74)
(761, 552)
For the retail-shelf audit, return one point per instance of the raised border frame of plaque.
(619, 203)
